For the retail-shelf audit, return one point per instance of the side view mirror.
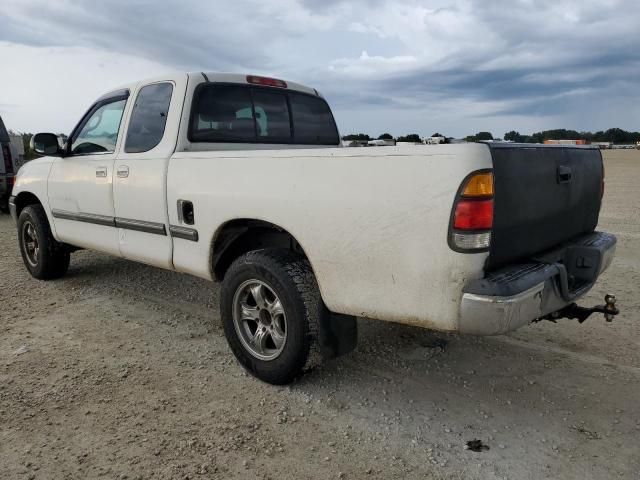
(46, 144)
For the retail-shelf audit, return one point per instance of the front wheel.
(44, 257)
(271, 310)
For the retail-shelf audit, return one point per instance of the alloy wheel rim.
(30, 243)
(259, 319)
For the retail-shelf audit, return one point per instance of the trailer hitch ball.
(573, 311)
(610, 307)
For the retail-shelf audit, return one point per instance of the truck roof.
(241, 78)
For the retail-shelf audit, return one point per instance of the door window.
(99, 133)
(148, 118)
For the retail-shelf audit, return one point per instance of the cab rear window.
(243, 114)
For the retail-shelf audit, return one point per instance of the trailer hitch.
(574, 311)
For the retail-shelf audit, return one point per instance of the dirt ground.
(121, 371)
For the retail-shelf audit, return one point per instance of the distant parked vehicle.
(8, 167)
(381, 142)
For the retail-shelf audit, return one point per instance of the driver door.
(80, 183)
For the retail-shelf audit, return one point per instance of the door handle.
(101, 172)
(185, 212)
(564, 174)
(123, 171)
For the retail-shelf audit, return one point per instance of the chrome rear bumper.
(490, 306)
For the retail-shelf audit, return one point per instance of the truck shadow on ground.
(473, 367)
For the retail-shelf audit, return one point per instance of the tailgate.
(544, 195)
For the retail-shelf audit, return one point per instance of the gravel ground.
(121, 370)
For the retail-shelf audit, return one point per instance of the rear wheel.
(44, 257)
(271, 310)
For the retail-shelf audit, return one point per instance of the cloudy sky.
(456, 66)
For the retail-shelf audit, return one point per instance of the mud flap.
(338, 335)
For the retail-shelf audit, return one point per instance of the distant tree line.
(480, 136)
(613, 135)
(363, 137)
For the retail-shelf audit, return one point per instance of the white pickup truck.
(240, 179)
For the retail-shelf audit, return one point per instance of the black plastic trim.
(116, 222)
(108, 97)
(183, 233)
(84, 217)
(141, 226)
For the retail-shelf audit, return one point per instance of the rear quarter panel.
(372, 221)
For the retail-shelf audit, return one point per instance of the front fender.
(31, 186)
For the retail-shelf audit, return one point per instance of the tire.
(46, 259)
(280, 275)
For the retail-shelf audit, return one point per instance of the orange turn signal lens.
(480, 185)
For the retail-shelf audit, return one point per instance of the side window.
(313, 123)
(100, 131)
(148, 118)
(272, 116)
(222, 113)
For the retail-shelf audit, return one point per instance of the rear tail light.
(479, 185)
(8, 164)
(269, 82)
(472, 214)
(472, 217)
(472, 241)
(10, 183)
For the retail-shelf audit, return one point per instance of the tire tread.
(299, 272)
(54, 257)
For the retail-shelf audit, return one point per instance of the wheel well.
(25, 199)
(240, 236)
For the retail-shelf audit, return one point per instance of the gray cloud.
(492, 59)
